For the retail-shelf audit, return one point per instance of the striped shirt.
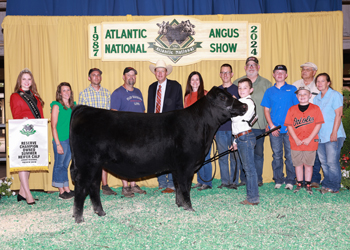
(97, 99)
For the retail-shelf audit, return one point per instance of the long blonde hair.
(32, 87)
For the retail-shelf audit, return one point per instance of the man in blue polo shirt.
(276, 102)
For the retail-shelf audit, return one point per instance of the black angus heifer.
(134, 145)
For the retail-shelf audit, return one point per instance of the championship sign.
(28, 145)
(179, 40)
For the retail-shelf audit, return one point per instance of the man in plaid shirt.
(97, 97)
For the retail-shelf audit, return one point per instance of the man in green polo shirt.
(260, 85)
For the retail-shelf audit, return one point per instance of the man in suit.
(164, 95)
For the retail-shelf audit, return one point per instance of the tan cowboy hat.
(161, 64)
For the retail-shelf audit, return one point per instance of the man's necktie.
(159, 99)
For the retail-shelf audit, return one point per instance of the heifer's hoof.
(179, 204)
(189, 209)
(100, 213)
(79, 220)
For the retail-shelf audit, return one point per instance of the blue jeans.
(277, 145)
(60, 167)
(316, 176)
(205, 171)
(329, 154)
(246, 144)
(224, 141)
(166, 181)
(259, 154)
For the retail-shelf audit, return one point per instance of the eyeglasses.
(225, 73)
(251, 65)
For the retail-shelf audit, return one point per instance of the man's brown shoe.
(137, 189)
(126, 191)
(107, 190)
(245, 202)
(315, 185)
(168, 191)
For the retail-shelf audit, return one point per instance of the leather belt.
(243, 133)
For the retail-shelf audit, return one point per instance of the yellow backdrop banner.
(56, 49)
(179, 40)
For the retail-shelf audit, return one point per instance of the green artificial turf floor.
(282, 220)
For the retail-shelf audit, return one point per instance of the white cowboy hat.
(161, 64)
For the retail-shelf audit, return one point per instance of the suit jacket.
(172, 97)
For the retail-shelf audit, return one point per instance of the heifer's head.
(223, 101)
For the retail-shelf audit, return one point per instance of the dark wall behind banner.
(164, 7)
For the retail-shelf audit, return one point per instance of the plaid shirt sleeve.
(82, 99)
(97, 99)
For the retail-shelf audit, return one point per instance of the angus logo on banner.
(175, 39)
(178, 40)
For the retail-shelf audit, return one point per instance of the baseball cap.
(309, 64)
(280, 67)
(253, 59)
(128, 69)
(303, 88)
(94, 69)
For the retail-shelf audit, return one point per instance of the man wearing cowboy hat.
(164, 95)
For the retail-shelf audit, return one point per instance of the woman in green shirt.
(61, 111)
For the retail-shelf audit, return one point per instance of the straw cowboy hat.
(161, 64)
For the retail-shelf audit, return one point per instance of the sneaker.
(66, 196)
(241, 184)
(232, 186)
(168, 191)
(289, 186)
(326, 190)
(223, 185)
(245, 202)
(299, 186)
(107, 190)
(323, 190)
(126, 191)
(198, 185)
(137, 189)
(309, 189)
(277, 186)
(204, 187)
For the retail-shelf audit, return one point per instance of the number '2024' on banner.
(28, 145)
(179, 40)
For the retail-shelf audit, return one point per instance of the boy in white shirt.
(246, 140)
